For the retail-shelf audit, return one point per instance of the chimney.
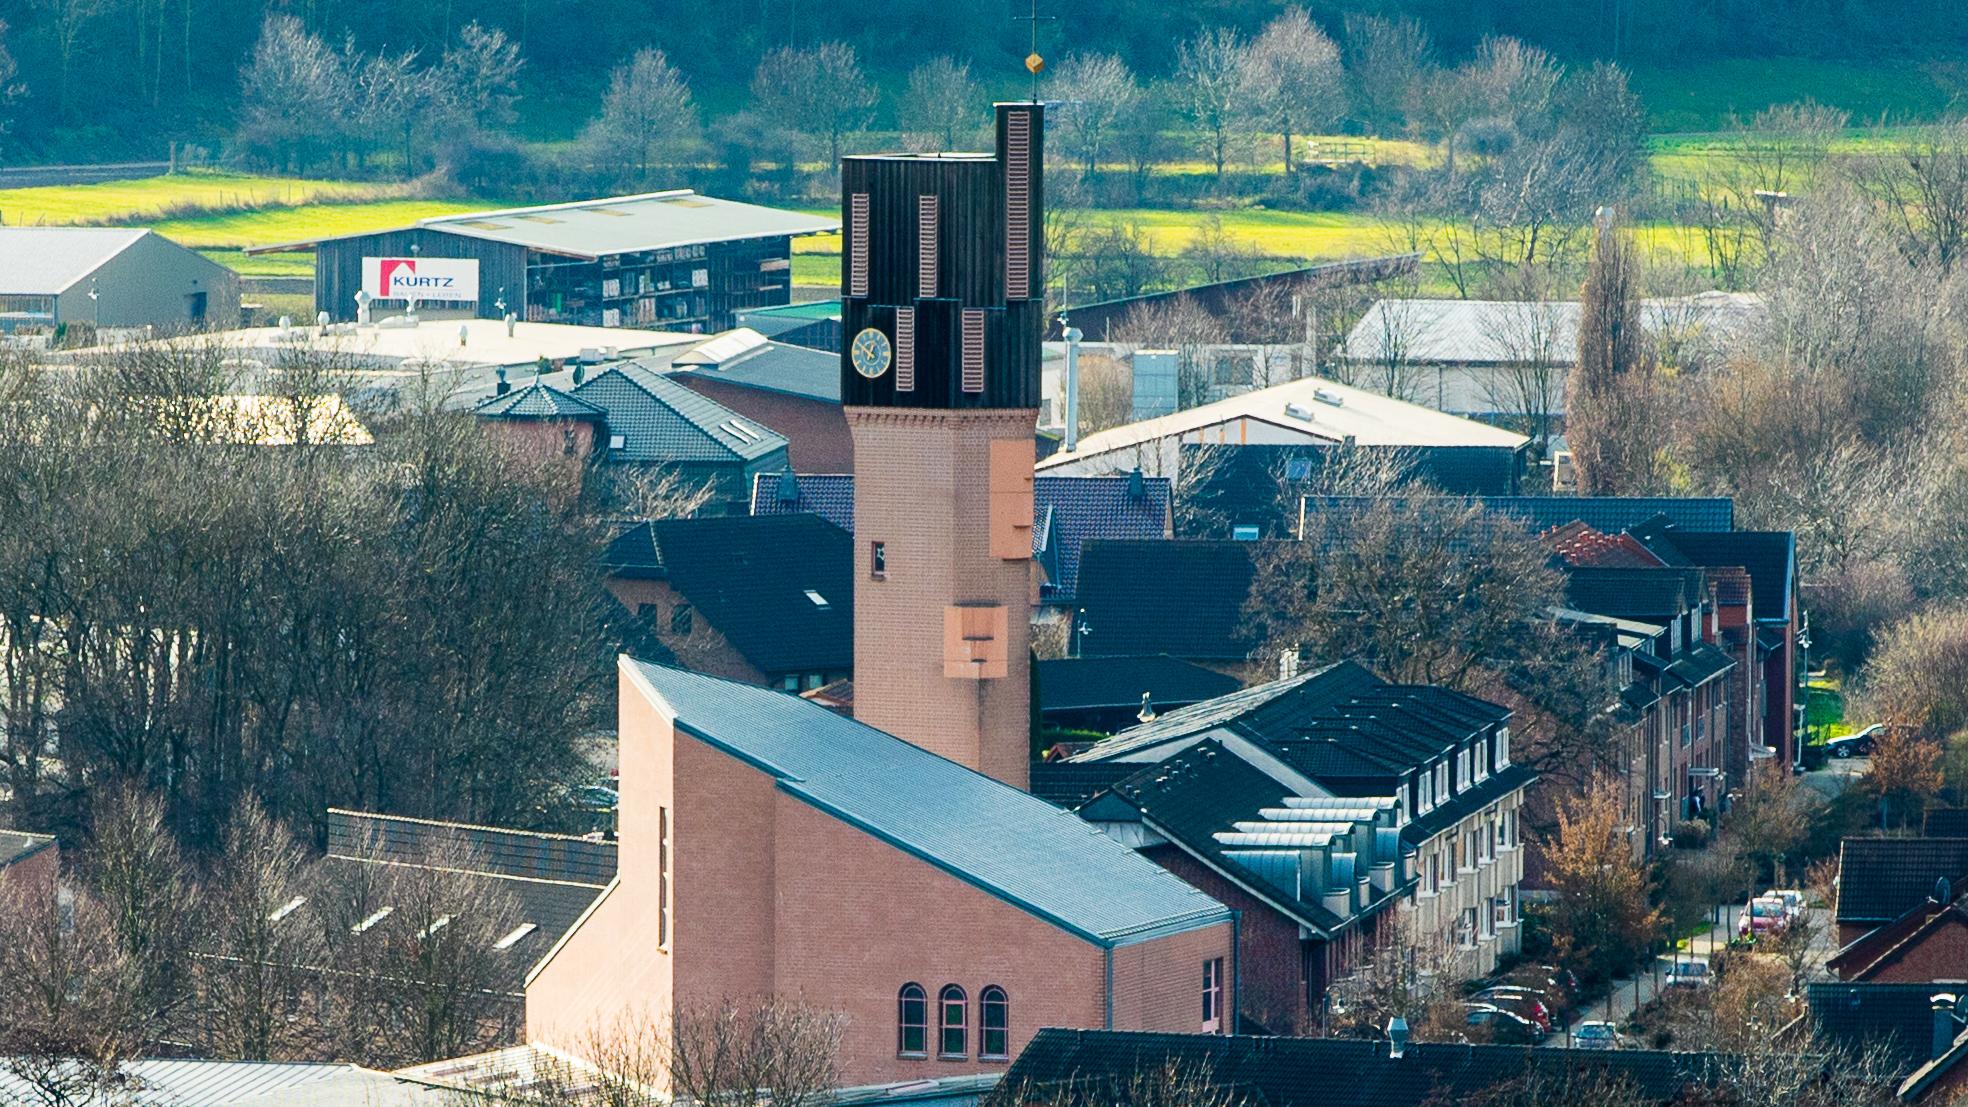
(1137, 485)
(502, 387)
(1147, 712)
(1397, 1038)
(580, 374)
(1947, 1022)
(788, 491)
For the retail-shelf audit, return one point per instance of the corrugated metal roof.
(1503, 332)
(1008, 843)
(46, 261)
(1312, 406)
(617, 225)
(174, 1083)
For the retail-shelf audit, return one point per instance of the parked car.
(1518, 1001)
(1793, 899)
(1764, 916)
(1687, 974)
(1856, 745)
(1556, 983)
(1597, 1034)
(1504, 1027)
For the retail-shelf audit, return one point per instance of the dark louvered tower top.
(942, 273)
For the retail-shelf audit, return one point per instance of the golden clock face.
(870, 353)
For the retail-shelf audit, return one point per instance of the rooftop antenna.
(1034, 63)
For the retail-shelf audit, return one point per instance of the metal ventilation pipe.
(1073, 337)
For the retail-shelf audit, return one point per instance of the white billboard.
(452, 280)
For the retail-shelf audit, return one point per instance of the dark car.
(1521, 1001)
(1855, 745)
(1503, 1027)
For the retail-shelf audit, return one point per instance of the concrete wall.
(1434, 916)
(148, 285)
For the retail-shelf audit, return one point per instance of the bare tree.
(72, 995)
(1106, 392)
(648, 116)
(1212, 74)
(1770, 821)
(1295, 73)
(141, 882)
(1403, 974)
(259, 975)
(938, 108)
(1385, 61)
(294, 92)
(399, 97)
(1924, 185)
(1096, 92)
(775, 1052)
(1527, 387)
(70, 24)
(481, 73)
(820, 93)
(1612, 402)
(1178, 324)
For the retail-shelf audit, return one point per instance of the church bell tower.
(942, 309)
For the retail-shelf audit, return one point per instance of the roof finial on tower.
(1033, 61)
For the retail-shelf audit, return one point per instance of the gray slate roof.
(539, 401)
(776, 367)
(618, 225)
(1012, 845)
(46, 261)
(661, 420)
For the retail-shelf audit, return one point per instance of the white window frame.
(1213, 995)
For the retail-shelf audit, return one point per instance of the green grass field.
(1705, 97)
(122, 201)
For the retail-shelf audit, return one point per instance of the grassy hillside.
(1704, 97)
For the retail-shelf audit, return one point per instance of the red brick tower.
(943, 303)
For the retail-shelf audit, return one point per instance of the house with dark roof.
(1880, 880)
(1929, 943)
(28, 860)
(631, 414)
(1180, 597)
(1099, 1066)
(1255, 490)
(1317, 803)
(1067, 514)
(1611, 514)
(771, 847)
(766, 600)
(1756, 574)
(793, 389)
(1109, 694)
(550, 880)
(1918, 1031)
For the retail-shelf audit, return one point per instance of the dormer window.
(1503, 747)
(1462, 768)
(1442, 782)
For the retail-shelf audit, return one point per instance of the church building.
(892, 867)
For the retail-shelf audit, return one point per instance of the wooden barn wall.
(338, 268)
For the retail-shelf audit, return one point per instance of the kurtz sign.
(445, 279)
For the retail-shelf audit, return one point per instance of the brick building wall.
(815, 430)
(1271, 957)
(934, 524)
(1939, 955)
(38, 869)
(772, 896)
(703, 649)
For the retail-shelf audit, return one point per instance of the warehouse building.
(109, 277)
(673, 261)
